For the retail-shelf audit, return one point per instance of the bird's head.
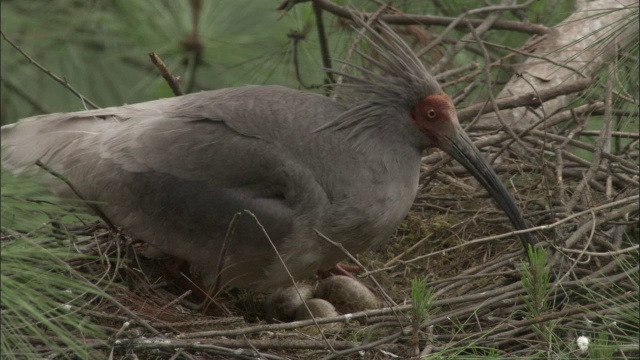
(407, 85)
(435, 116)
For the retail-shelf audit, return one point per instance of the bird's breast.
(370, 210)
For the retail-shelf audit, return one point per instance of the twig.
(532, 55)
(90, 204)
(462, 43)
(532, 229)
(581, 252)
(115, 337)
(606, 253)
(528, 99)
(293, 325)
(293, 280)
(579, 144)
(460, 97)
(204, 344)
(351, 350)
(401, 255)
(324, 44)
(481, 269)
(172, 81)
(231, 230)
(453, 72)
(386, 296)
(570, 156)
(353, 46)
(577, 234)
(487, 75)
(173, 302)
(596, 161)
(530, 127)
(443, 34)
(295, 38)
(130, 314)
(630, 135)
(410, 19)
(55, 77)
(171, 344)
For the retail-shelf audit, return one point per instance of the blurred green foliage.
(40, 294)
(101, 47)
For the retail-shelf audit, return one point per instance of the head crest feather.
(394, 79)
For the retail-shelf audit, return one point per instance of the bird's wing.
(174, 179)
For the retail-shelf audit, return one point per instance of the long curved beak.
(461, 148)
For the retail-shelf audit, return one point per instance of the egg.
(319, 309)
(348, 295)
(283, 304)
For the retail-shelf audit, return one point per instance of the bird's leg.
(346, 270)
(340, 269)
(179, 272)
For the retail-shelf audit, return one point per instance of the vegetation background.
(63, 297)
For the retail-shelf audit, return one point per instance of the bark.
(576, 48)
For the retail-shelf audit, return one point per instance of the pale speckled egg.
(348, 295)
(282, 304)
(319, 308)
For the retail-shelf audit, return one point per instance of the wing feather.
(174, 177)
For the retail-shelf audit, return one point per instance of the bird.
(288, 165)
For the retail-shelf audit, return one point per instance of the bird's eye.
(431, 113)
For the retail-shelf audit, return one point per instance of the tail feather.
(47, 138)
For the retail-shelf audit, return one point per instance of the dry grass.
(585, 213)
(478, 289)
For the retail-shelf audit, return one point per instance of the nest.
(455, 277)
(480, 300)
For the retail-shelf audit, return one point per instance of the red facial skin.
(435, 116)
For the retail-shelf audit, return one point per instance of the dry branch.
(583, 209)
(584, 42)
(172, 81)
(410, 19)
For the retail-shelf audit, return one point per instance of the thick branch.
(530, 98)
(584, 41)
(410, 19)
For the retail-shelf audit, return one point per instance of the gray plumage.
(172, 172)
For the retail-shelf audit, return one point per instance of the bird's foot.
(340, 269)
(179, 272)
(344, 270)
